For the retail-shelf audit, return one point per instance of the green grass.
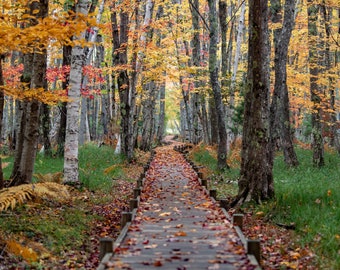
(307, 196)
(98, 166)
(225, 183)
(310, 197)
(93, 161)
(62, 229)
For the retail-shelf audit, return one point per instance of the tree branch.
(199, 14)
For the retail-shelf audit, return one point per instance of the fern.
(11, 197)
(49, 177)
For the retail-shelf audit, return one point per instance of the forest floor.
(22, 247)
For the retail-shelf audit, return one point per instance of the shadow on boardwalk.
(177, 225)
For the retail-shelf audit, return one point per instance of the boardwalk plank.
(177, 225)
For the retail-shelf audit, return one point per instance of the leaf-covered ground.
(279, 248)
(25, 243)
(46, 234)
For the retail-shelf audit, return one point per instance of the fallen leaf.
(180, 233)
(165, 214)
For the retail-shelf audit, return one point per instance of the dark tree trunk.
(32, 113)
(148, 112)
(21, 109)
(279, 111)
(161, 120)
(46, 127)
(115, 62)
(222, 8)
(317, 139)
(213, 71)
(124, 87)
(135, 108)
(213, 121)
(256, 179)
(326, 14)
(67, 51)
(196, 60)
(2, 102)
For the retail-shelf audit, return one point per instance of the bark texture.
(71, 166)
(213, 71)
(2, 99)
(317, 139)
(281, 133)
(34, 76)
(256, 179)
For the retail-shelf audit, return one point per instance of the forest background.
(124, 73)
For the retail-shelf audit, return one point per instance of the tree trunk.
(196, 61)
(67, 51)
(232, 127)
(222, 8)
(37, 80)
(148, 112)
(161, 120)
(136, 63)
(71, 167)
(326, 14)
(204, 120)
(114, 87)
(84, 132)
(91, 36)
(46, 127)
(280, 116)
(2, 99)
(213, 71)
(124, 88)
(19, 137)
(256, 178)
(213, 123)
(317, 139)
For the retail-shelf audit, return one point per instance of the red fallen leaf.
(157, 263)
(145, 242)
(180, 233)
(176, 257)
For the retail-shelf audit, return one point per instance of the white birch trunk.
(239, 38)
(71, 167)
(118, 149)
(84, 136)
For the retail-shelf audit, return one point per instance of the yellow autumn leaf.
(165, 214)
(289, 265)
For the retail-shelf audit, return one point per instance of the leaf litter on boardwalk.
(171, 201)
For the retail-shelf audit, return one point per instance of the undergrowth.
(98, 166)
(63, 228)
(306, 196)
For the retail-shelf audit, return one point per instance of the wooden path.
(177, 225)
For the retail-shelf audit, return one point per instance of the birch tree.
(71, 166)
(84, 134)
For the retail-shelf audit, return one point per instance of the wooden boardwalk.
(177, 225)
